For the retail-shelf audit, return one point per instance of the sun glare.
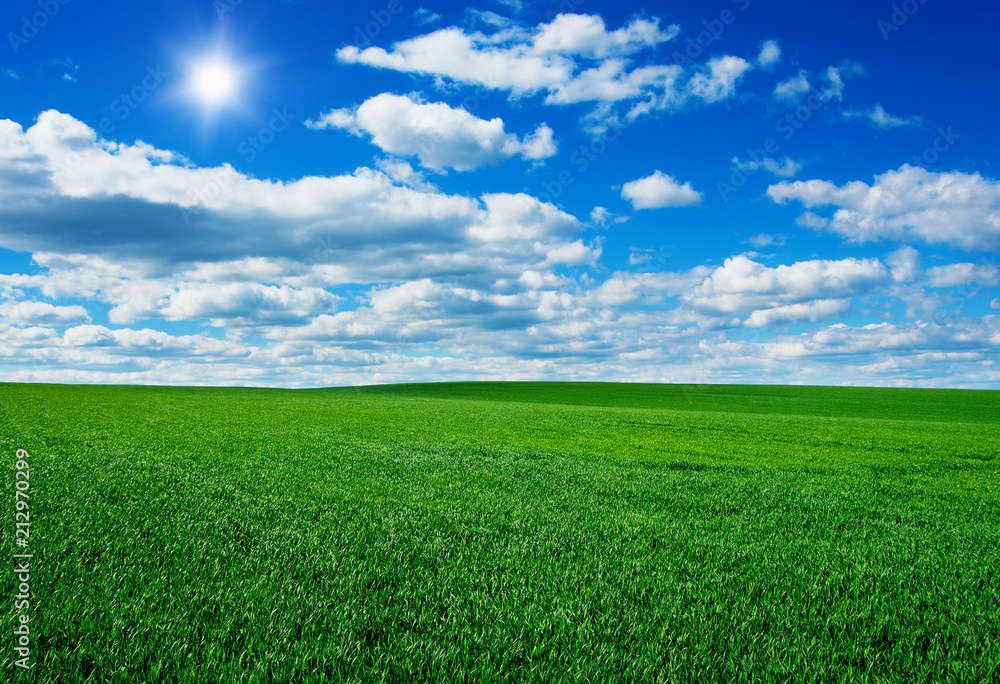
(214, 82)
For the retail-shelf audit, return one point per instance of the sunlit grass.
(509, 532)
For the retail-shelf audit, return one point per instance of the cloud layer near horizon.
(361, 278)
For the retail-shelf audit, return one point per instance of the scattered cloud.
(814, 287)
(770, 54)
(487, 18)
(658, 191)
(601, 217)
(963, 275)
(880, 118)
(67, 67)
(904, 264)
(766, 240)
(515, 6)
(793, 89)
(574, 58)
(909, 204)
(425, 16)
(785, 168)
(42, 313)
(438, 135)
(74, 194)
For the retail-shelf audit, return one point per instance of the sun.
(214, 82)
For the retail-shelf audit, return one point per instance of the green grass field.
(493, 532)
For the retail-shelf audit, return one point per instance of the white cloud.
(440, 136)
(995, 304)
(425, 16)
(488, 18)
(770, 54)
(741, 285)
(794, 88)
(767, 240)
(797, 313)
(587, 36)
(718, 81)
(658, 191)
(236, 304)
(42, 313)
(880, 118)
(601, 217)
(76, 195)
(785, 168)
(910, 203)
(375, 277)
(403, 173)
(835, 85)
(904, 264)
(573, 58)
(955, 275)
(810, 220)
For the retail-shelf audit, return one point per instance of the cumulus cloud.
(75, 194)
(798, 313)
(440, 136)
(799, 291)
(42, 313)
(718, 81)
(587, 36)
(658, 191)
(904, 264)
(954, 208)
(571, 59)
(964, 274)
(880, 118)
(373, 276)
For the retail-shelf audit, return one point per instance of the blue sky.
(299, 194)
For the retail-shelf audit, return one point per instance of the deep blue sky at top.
(945, 55)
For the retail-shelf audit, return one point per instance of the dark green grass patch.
(507, 532)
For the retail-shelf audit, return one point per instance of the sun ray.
(214, 82)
